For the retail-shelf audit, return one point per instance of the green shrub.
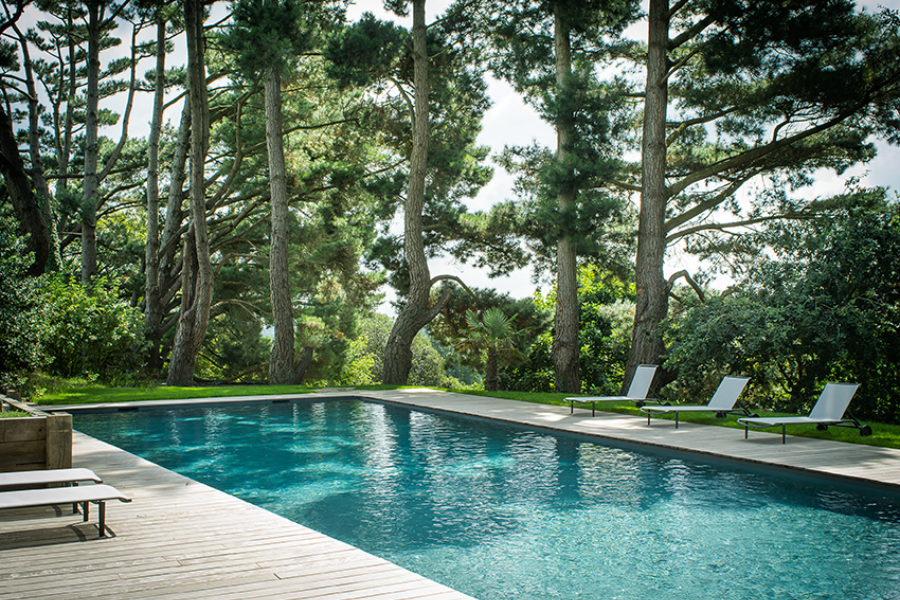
(20, 348)
(89, 332)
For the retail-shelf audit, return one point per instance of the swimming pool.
(502, 513)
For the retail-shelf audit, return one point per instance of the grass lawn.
(887, 436)
(94, 393)
(883, 435)
(11, 414)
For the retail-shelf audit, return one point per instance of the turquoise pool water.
(502, 513)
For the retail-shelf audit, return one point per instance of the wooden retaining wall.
(40, 441)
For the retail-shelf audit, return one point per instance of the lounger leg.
(746, 429)
(676, 419)
(648, 419)
(593, 411)
(85, 509)
(783, 434)
(102, 518)
(571, 408)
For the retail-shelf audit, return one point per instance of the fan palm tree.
(495, 334)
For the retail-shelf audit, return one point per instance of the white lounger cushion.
(640, 385)
(723, 400)
(637, 391)
(63, 495)
(46, 476)
(829, 410)
(82, 494)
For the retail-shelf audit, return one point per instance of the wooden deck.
(180, 538)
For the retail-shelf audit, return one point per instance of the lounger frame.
(83, 495)
(830, 410)
(722, 403)
(637, 391)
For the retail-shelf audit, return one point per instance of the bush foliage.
(825, 307)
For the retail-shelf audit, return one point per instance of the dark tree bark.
(492, 371)
(281, 361)
(21, 191)
(416, 312)
(564, 351)
(197, 273)
(652, 295)
(40, 187)
(153, 310)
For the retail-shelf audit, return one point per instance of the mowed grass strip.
(883, 435)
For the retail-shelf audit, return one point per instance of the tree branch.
(708, 204)
(744, 223)
(689, 279)
(753, 154)
(126, 117)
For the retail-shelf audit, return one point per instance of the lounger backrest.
(833, 402)
(640, 383)
(727, 393)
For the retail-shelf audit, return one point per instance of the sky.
(511, 122)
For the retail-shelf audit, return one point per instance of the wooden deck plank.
(180, 538)
(177, 538)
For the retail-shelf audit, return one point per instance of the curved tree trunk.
(197, 282)
(564, 351)
(46, 257)
(416, 313)
(281, 361)
(652, 304)
(25, 203)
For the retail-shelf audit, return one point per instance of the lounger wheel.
(865, 431)
(720, 415)
(639, 404)
(822, 427)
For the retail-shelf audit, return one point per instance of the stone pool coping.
(856, 464)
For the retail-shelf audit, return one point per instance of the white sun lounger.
(47, 476)
(83, 494)
(829, 410)
(637, 391)
(722, 402)
(44, 477)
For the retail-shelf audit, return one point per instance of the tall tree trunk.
(48, 258)
(197, 282)
(652, 304)
(91, 147)
(281, 361)
(174, 215)
(64, 145)
(153, 309)
(491, 371)
(66, 149)
(564, 351)
(25, 204)
(416, 313)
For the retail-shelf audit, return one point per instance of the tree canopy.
(301, 160)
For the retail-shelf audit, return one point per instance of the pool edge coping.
(412, 398)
